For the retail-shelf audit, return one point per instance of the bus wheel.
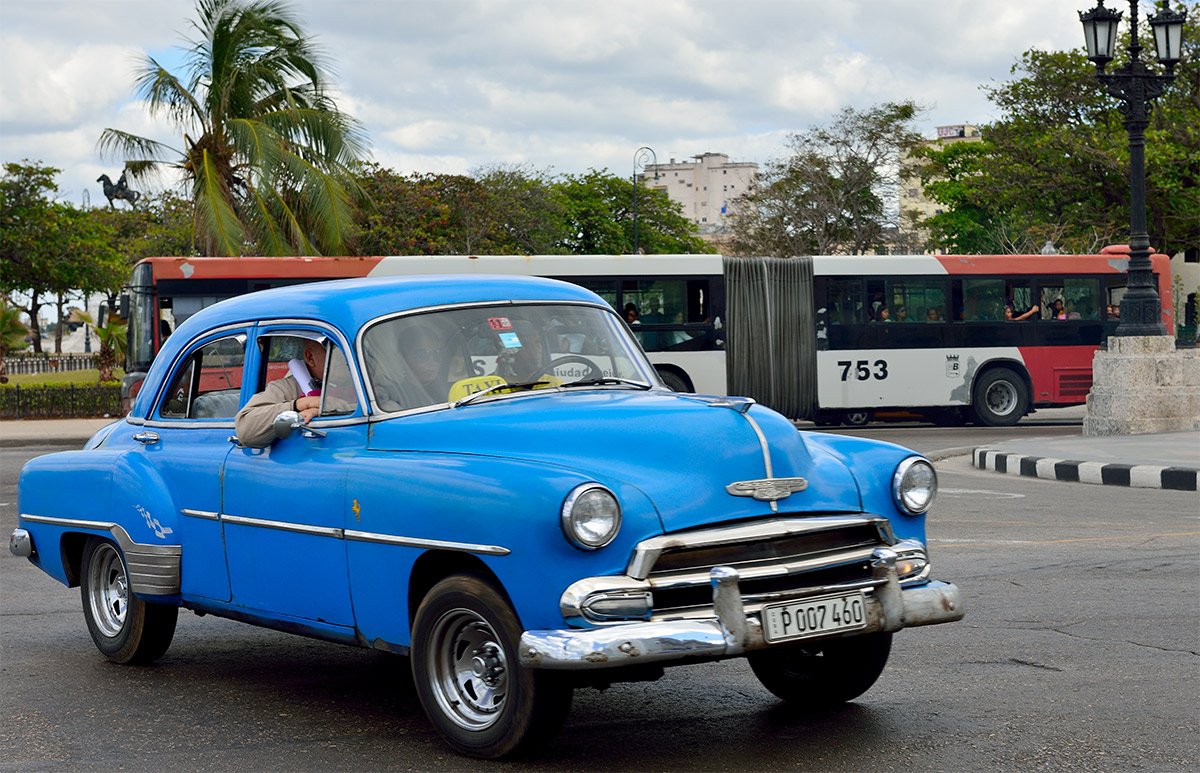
(857, 418)
(674, 381)
(1000, 398)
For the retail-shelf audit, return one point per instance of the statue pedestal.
(1143, 384)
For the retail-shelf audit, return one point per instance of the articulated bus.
(833, 339)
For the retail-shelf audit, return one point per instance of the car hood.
(680, 450)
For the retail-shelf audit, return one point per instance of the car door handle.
(146, 437)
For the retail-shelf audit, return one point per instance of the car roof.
(349, 303)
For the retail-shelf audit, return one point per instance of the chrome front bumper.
(20, 544)
(731, 632)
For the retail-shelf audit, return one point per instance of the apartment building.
(914, 205)
(705, 186)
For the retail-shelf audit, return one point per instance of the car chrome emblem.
(767, 489)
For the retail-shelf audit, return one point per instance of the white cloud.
(453, 85)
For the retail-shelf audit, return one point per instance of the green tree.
(598, 208)
(1056, 165)
(49, 249)
(265, 151)
(831, 193)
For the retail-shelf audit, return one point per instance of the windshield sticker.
(499, 323)
(510, 340)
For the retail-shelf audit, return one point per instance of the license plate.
(813, 617)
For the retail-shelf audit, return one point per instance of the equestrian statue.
(119, 191)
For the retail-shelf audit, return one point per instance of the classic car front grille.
(778, 559)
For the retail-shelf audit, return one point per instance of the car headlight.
(914, 485)
(591, 516)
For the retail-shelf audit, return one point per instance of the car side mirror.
(285, 423)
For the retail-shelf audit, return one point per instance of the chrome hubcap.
(108, 590)
(469, 671)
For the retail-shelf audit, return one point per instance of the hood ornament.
(767, 489)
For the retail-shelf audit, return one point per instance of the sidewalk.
(72, 433)
(1168, 460)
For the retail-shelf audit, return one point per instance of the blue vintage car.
(484, 474)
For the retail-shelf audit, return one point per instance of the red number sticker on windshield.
(499, 323)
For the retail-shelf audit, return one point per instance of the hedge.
(59, 401)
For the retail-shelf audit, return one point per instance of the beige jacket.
(255, 423)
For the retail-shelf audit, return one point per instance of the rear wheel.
(823, 674)
(1000, 398)
(468, 675)
(124, 628)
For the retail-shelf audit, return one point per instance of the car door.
(284, 506)
(186, 441)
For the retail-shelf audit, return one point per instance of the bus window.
(845, 302)
(982, 300)
(605, 288)
(913, 300)
(1071, 298)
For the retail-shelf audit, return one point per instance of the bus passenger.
(1009, 317)
(883, 314)
(901, 314)
(931, 315)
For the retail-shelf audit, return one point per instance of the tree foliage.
(832, 193)
(1056, 165)
(49, 249)
(265, 151)
(518, 211)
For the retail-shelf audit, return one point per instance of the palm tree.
(112, 343)
(12, 334)
(265, 150)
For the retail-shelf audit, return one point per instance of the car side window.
(283, 355)
(208, 384)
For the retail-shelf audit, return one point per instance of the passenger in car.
(255, 423)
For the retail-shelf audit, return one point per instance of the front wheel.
(1000, 398)
(823, 674)
(124, 628)
(468, 676)
(860, 418)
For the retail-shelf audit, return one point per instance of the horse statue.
(119, 191)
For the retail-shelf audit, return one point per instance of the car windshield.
(445, 356)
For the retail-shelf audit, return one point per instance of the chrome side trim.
(300, 528)
(366, 536)
(647, 552)
(153, 569)
(205, 514)
(434, 544)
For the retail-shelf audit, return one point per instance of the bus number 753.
(862, 369)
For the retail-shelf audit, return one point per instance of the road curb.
(1102, 473)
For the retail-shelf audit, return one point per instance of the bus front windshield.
(440, 357)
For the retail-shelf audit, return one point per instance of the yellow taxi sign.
(469, 386)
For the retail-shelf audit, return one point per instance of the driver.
(527, 361)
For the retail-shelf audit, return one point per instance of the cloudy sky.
(560, 85)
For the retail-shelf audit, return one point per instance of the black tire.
(124, 628)
(857, 418)
(674, 381)
(468, 677)
(825, 418)
(1000, 398)
(823, 674)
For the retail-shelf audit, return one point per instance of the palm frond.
(216, 217)
(164, 93)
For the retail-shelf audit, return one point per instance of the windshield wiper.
(608, 380)
(496, 387)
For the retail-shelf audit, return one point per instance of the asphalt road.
(1080, 651)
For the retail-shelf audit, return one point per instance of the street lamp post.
(640, 158)
(1135, 85)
